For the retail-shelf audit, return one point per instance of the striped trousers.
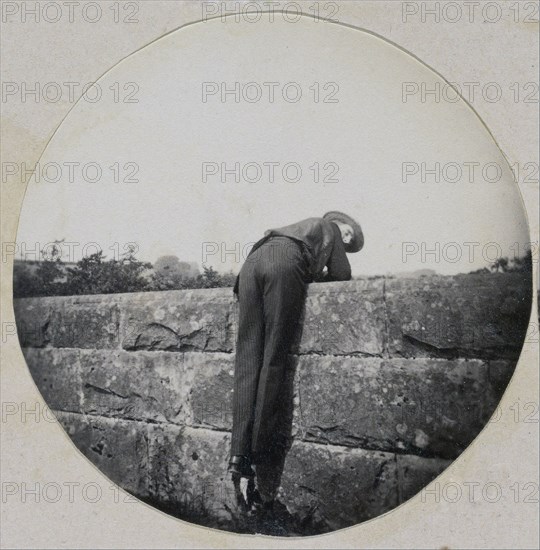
(272, 290)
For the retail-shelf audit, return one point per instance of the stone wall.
(390, 382)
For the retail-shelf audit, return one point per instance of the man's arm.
(339, 268)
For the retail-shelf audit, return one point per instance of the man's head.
(347, 232)
(351, 232)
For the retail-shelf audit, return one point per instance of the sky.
(338, 134)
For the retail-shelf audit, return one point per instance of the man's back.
(322, 242)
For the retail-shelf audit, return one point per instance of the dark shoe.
(240, 466)
(253, 497)
(269, 521)
(264, 509)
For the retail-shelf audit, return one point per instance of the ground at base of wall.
(278, 523)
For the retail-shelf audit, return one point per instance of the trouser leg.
(248, 361)
(283, 302)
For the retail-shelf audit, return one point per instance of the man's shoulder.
(308, 230)
(315, 221)
(311, 226)
(325, 226)
(306, 222)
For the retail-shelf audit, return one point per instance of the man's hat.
(357, 242)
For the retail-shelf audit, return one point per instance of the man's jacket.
(323, 246)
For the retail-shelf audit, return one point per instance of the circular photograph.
(272, 275)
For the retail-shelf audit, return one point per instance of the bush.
(210, 278)
(96, 275)
(93, 275)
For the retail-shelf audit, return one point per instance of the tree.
(93, 275)
(96, 275)
(164, 281)
(25, 283)
(500, 264)
(167, 265)
(523, 264)
(47, 278)
(210, 278)
(170, 273)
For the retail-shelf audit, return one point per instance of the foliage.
(505, 265)
(45, 280)
(171, 265)
(25, 283)
(96, 275)
(210, 278)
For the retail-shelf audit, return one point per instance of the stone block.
(500, 373)
(33, 317)
(430, 407)
(90, 322)
(415, 473)
(483, 316)
(186, 320)
(119, 449)
(189, 477)
(57, 375)
(68, 321)
(151, 387)
(344, 318)
(327, 488)
(212, 388)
